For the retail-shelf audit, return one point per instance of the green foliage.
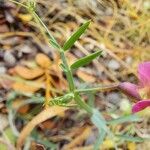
(130, 138)
(31, 5)
(70, 42)
(62, 101)
(128, 118)
(10, 137)
(100, 139)
(99, 121)
(85, 60)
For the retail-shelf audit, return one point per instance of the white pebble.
(113, 64)
(2, 70)
(9, 59)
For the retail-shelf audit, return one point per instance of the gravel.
(113, 64)
(9, 59)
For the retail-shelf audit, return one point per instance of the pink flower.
(141, 92)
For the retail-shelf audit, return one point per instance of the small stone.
(26, 49)
(91, 139)
(113, 98)
(102, 46)
(129, 60)
(9, 59)
(9, 17)
(113, 64)
(109, 11)
(2, 70)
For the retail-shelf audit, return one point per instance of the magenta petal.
(130, 90)
(144, 73)
(140, 105)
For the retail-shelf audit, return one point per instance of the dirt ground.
(119, 28)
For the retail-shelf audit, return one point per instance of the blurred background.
(120, 28)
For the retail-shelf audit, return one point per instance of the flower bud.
(130, 90)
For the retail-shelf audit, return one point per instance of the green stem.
(82, 104)
(45, 27)
(19, 4)
(68, 71)
(101, 88)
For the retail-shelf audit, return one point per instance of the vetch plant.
(73, 96)
(140, 92)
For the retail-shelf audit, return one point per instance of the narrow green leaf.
(69, 43)
(129, 118)
(85, 60)
(99, 121)
(130, 138)
(99, 139)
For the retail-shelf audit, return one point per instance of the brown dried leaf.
(36, 146)
(28, 73)
(78, 140)
(17, 102)
(42, 116)
(4, 28)
(24, 88)
(48, 124)
(24, 109)
(85, 76)
(43, 60)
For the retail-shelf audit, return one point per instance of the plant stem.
(47, 30)
(19, 4)
(68, 71)
(101, 88)
(82, 104)
(62, 54)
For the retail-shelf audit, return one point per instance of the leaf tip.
(88, 22)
